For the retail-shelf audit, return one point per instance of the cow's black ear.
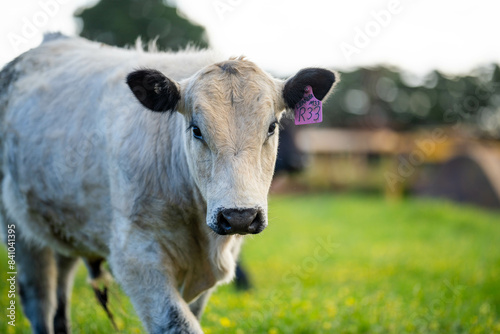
(321, 81)
(154, 90)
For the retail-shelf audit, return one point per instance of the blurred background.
(406, 161)
(409, 69)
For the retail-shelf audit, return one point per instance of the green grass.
(345, 264)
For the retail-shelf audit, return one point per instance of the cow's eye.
(271, 129)
(196, 132)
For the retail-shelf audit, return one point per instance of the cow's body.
(89, 172)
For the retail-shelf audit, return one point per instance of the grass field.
(344, 264)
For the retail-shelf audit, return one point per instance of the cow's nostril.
(255, 225)
(225, 224)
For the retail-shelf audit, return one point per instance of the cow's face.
(232, 110)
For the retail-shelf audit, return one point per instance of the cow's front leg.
(139, 266)
(198, 306)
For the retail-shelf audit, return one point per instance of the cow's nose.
(240, 221)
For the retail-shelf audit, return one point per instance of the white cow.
(157, 162)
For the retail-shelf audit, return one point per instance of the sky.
(453, 36)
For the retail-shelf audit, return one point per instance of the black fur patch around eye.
(319, 79)
(154, 90)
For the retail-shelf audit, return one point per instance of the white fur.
(90, 172)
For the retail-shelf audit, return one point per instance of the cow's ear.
(154, 90)
(321, 80)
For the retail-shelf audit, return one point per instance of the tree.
(120, 22)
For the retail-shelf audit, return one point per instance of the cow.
(157, 162)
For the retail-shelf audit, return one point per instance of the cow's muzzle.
(239, 221)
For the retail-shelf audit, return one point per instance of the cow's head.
(231, 112)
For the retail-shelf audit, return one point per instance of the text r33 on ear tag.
(309, 109)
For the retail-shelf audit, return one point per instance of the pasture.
(342, 264)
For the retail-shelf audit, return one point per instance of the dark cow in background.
(290, 159)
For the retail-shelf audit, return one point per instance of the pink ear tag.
(309, 109)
